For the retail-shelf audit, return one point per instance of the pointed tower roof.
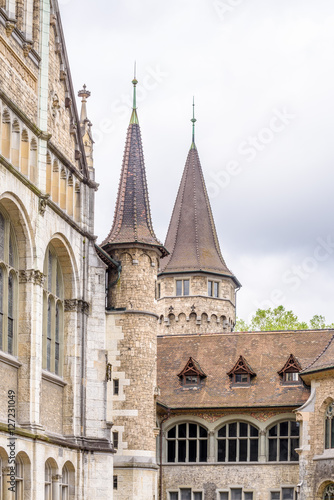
(191, 238)
(132, 219)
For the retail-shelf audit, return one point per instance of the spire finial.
(193, 122)
(134, 81)
(134, 117)
(84, 94)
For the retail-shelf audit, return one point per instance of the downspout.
(160, 451)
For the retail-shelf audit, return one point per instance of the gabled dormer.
(241, 373)
(192, 374)
(290, 371)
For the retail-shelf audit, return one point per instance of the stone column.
(211, 447)
(55, 486)
(262, 446)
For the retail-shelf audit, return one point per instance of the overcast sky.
(262, 75)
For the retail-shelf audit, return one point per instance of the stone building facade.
(120, 373)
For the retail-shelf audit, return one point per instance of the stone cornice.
(133, 311)
(9, 360)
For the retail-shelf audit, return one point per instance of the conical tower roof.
(192, 239)
(132, 219)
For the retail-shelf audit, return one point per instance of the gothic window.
(182, 287)
(53, 313)
(290, 371)
(19, 486)
(8, 285)
(283, 494)
(185, 494)
(187, 442)
(329, 492)
(48, 482)
(236, 494)
(115, 439)
(213, 288)
(116, 387)
(283, 439)
(329, 427)
(241, 373)
(192, 374)
(64, 484)
(238, 442)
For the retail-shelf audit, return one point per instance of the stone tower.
(196, 290)
(132, 319)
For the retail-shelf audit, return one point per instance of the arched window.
(187, 442)
(329, 427)
(48, 482)
(64, 484)
(238, 442)
(19, 475)
(329, 492)
(283, 439)
(8, 285)
(5, 135)
(53, 313)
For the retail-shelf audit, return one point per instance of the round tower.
(196, 291)
(132, 318)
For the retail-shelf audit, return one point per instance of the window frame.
(280, 492)
(289, 437)
(178, 492)
(9, 286)
(213, 289)
(187, 439)
(238, 438)
(229, 491)
(53, 313)
(329, 427)
(182, 281)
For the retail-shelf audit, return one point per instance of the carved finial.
(84, 94)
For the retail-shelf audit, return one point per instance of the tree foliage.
(279, 319)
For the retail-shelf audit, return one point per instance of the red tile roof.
(266, 352)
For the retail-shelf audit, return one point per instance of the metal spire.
(134, 117)
(193, 122)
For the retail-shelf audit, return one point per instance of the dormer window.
(241, 373)
(182, 287)
(192, 374)
(290, 371)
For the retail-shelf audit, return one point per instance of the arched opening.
(55, 182)
(70, 195)
(33, 161)
(5, 135)
(63, 189)
(15, 151)
(24, 162)
(48, 187)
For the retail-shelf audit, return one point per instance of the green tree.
(279, 319)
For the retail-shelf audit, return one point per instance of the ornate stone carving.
(27, 46)
(32, 276)
(42, 204)
(75, 305)
(10, 25)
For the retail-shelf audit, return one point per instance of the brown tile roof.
(192, 239)
(132, 219)
(266, 352)
(324, 360)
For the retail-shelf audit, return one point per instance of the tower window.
(115, 440)
(115, 482)
(213, 288)
(116, 386)
(329, 427)
(182, 287)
